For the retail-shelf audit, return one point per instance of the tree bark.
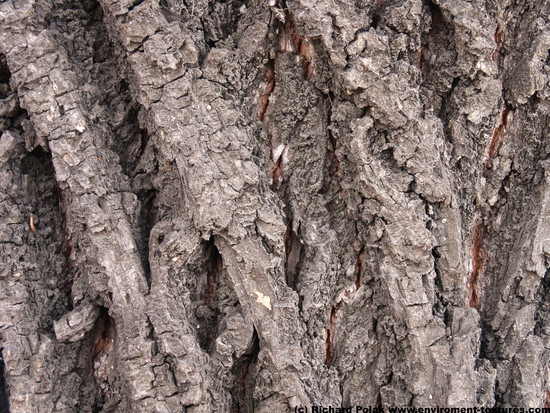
(258, 205)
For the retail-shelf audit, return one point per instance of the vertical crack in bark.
(67, 248)
(334, 166)
(263, 102)
(292, 42)
(130, 140)
(277, 167)
(478, 263)
(294, 251)
(144, 140)
(346, 297)
(103, 337)
(215, 265)
(243, 371)
(499, 34)
(147, 221)
(330, 334)
(376, 15)
(289, 42)
(208, 317)
(439, 307)
(439, 34)
(499, 131)
(129, 144)
(4, 396)
(542, 315)
(263, 106)
(360, 266)
(5, 74)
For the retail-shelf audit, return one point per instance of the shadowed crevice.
(294, 253)
(148, 219)
(4, 401)
(542, 315)
(439, 35)
(208, 312)
(5, 74)
(102, 356)
(243, 372)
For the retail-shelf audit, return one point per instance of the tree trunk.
(259, 205)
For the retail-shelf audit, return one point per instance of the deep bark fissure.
(294, 255)
(148, 219)
(101, 354)
(376, 14)
(67, 248)
(4, 391)
(243, 370)
(446, 108)
(5, 74)
(542, 315)
(440, 304)
(499, 130)
(478, 263)
(45, 218)
(440, 34)
(330, 334)
(263, 103)
(209, 320)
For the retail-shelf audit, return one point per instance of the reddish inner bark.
(498, 132)
(478, 258)
(498, 41)
(263, 103)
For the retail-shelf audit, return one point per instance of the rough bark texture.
(254, 205)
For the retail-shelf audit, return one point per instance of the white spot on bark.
(285, 155)
(263, 299)
(277, 152)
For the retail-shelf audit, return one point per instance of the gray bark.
(237, 206)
